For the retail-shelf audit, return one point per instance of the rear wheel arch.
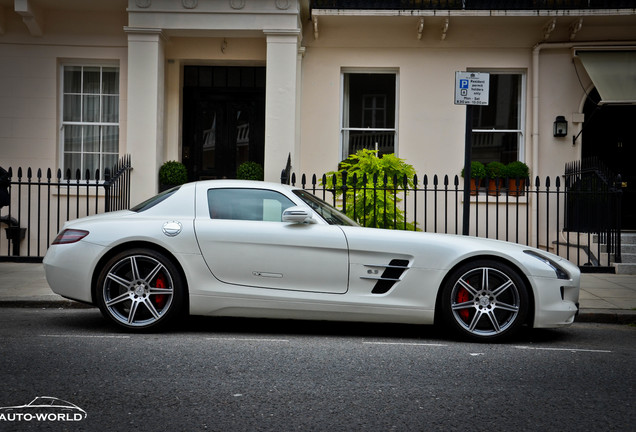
(138, 245)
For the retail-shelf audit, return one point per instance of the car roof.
(225, 183)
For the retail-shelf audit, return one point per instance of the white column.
(280, 101)
(145, 110)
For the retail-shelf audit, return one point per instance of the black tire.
(140, 290)
(484, 301)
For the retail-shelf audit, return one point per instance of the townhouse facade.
(214, 83)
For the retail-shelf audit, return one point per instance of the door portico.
(234, 34)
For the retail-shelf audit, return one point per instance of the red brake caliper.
(160, 300)
(463, 297)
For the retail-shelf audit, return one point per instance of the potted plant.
(250, 171)
(517, 172)
(171, 174)
(495, 172)
(477, 173)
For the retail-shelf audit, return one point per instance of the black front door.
(609, 134)
(223, 119)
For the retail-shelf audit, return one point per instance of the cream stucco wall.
(430, 126)
(30, 80)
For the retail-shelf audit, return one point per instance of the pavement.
(604, 298)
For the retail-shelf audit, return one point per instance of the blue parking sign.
(463, 83)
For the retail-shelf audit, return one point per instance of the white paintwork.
(294, 270)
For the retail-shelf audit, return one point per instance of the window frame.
(520, 131)
(88, 63)
(344, 107)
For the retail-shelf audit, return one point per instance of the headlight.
(560, 273)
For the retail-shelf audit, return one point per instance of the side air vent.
(391, 274)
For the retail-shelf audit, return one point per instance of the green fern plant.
(374, 186)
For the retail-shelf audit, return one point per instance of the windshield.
(150, 203)
(328, 213)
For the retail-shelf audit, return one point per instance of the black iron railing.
(41, 203)
(594, 202)
(535, 213)
(473, 4)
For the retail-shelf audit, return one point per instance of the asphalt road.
(258, 375)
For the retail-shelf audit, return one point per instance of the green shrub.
(495, 170)
(173, 173)
(517, 169)
(374, 205)
(250, 171)
(477, 170)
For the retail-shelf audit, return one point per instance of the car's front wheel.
(140, 289)
(484, 301)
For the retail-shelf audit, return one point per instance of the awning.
(613, 73)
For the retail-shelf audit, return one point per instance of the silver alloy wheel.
(485, 301)
(138, 291)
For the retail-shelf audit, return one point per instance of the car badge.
(172, 228)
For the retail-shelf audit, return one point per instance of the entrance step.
(628, 255)
(628, 239)
(625, 268)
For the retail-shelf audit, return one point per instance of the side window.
(247, 204)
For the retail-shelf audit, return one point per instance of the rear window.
(150, 203)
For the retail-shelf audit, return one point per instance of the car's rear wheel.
(484, 301)
(140, 289)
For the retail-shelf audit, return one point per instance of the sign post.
(471, 88)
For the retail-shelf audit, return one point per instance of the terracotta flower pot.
(494, 186)
(474, 185)
(516, 188)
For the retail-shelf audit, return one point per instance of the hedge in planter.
(495, 172)
(517, 173)
(172, 173)
(477, 174)
(250, 171)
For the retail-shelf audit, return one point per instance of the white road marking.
(563, 349)
(85, 336)
(404, 343)
(249, 339)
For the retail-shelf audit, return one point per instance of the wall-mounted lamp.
(560, 127)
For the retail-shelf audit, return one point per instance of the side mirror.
(298, 214)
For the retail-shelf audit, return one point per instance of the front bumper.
(556, 302)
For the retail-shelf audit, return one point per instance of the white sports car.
(256, 249)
